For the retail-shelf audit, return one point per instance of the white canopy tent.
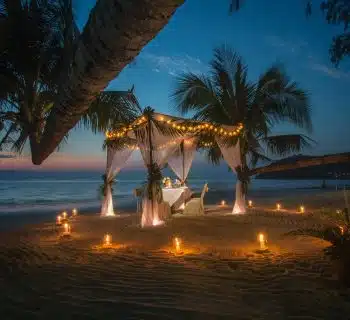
(165, 139)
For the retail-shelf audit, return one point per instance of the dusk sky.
(263, 32)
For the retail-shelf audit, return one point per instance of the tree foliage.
(226, 96)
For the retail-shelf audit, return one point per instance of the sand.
(217, 276)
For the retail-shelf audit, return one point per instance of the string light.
(176, 124)
(250, 203)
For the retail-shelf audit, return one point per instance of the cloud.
(288, 45)
(301, 48)
(174, 65)
(329, 71)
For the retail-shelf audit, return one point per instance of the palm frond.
(110, 109)
(194, 93)
(284, 144)
(20, 141)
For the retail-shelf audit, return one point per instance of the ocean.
(35, 193)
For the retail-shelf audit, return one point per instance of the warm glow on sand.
(262, 241)
(157, 222)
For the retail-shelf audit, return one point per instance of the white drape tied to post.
(232, 156)
(155, 150)
(181, 160)
(116, 160)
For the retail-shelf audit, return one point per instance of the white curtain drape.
(116, 159)
(155, 151)
(180, 162)
(232, 156)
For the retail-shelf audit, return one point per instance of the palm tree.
(227, 97)
(31, 73)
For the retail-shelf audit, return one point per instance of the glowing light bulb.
(107, 240)
(250, 203)
(302, 209)
(278, 206)
(223, 203)
(262, 241)
(75, 212)
(177, 244)
(59, 220)
(64, 214)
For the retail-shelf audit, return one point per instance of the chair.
(195, 207)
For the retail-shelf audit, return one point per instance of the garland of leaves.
(244, 177)
(153, 186)
(104, 185)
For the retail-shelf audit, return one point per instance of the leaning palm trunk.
(114, 35)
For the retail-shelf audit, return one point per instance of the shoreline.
(291, 199)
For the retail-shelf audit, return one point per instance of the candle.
(107, 240)
(59, 220)
(302, 209)
(262, 241)
(223, 203)
(66, 230)
(75, 212)
(250, 203)
(64, 214)
(278, 206)
(177, 243)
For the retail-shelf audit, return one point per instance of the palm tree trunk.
(115, 34)
(316, 161)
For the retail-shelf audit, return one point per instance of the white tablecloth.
(172, 195)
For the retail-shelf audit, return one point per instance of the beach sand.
(218, 275)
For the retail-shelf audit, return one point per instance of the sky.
(263, 32)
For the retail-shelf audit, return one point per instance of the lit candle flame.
(66, 228)
(59, 219)
(75, 212)
(302, 209)
(262, 241)
(278, 206)
(250, 203)
(177, 243)
(223, 203)
(107, 240)
(64, 214)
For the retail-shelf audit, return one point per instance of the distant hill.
(329, 171)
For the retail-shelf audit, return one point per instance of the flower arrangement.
(167, 182)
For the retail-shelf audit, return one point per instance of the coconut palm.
(226, 96)
(38, 39)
